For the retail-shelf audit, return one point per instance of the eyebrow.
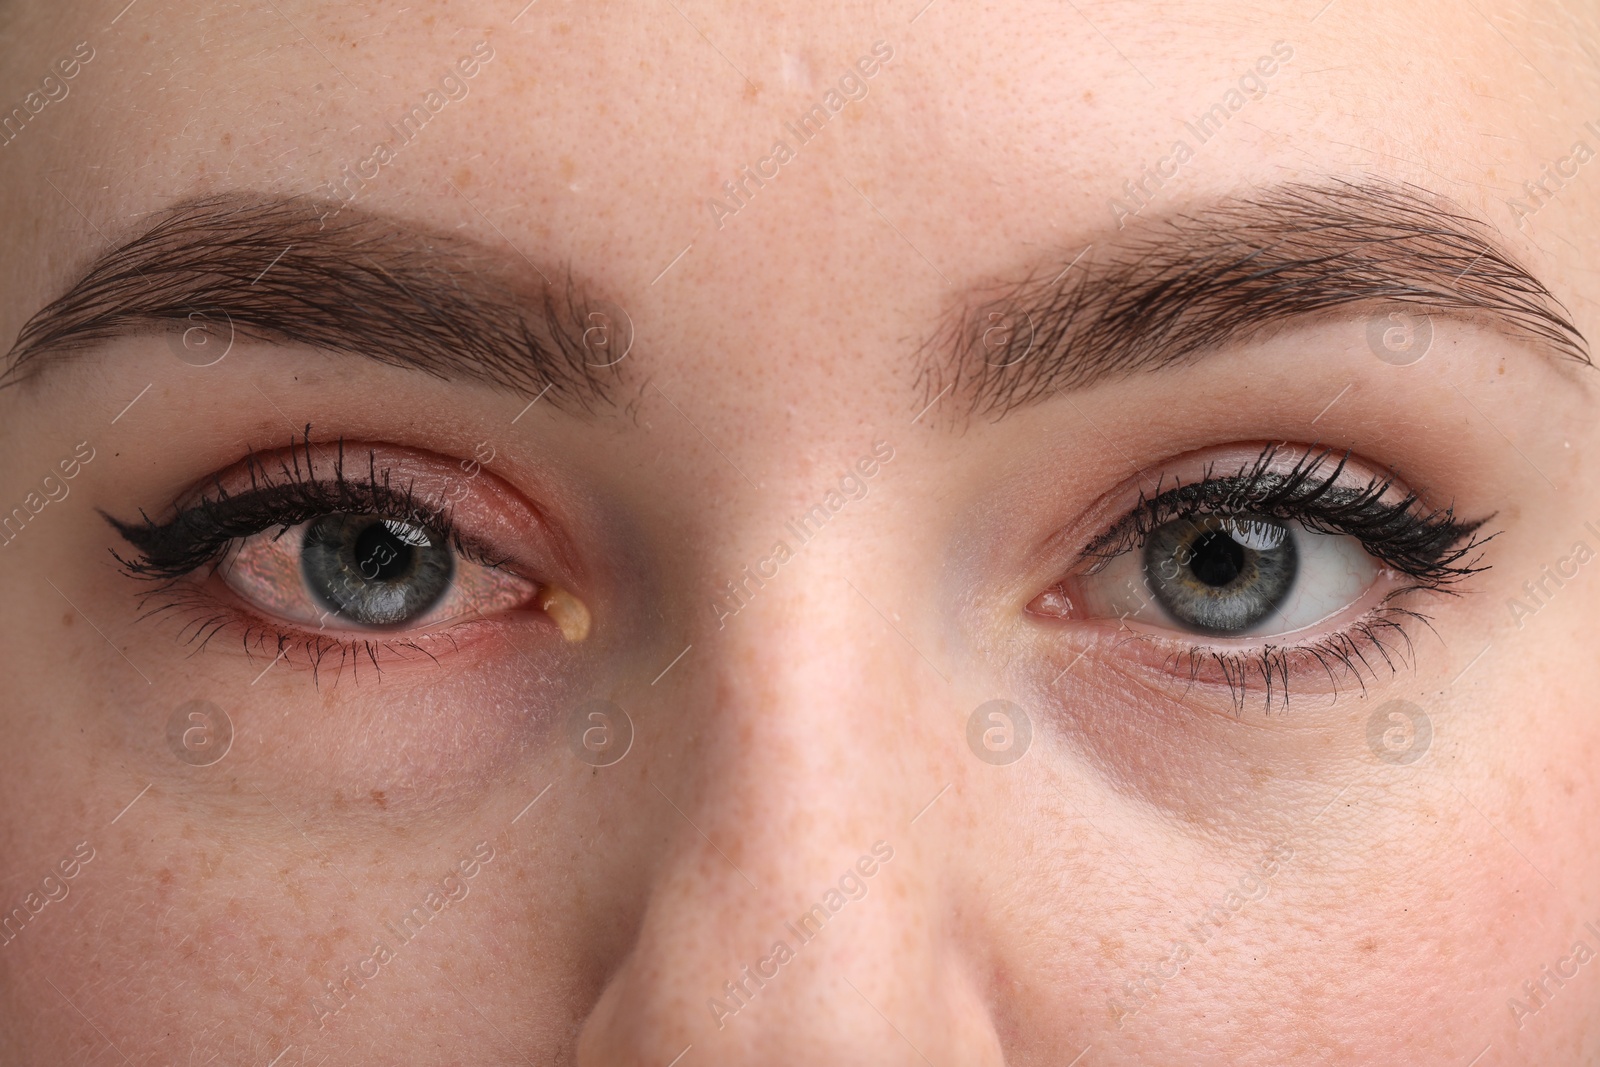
(1175, 289)
(299, 270)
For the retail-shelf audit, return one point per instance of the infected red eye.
(414, 543)
(366, 571)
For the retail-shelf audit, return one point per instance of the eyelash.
(1426, 546)
(282, 497)
(1431, 547)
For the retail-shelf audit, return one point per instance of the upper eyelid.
(1427, 550)
(380, 477)
(204, 506)
(1254, 476)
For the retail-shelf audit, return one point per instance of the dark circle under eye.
(1221, 574)
(375, 571)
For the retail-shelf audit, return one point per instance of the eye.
(366, 572)
(302, 555)
(1233, 576)
(1258, 567)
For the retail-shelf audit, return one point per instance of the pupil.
(1218, 558)
(380, 555)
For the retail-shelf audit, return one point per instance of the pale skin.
(1399, 907)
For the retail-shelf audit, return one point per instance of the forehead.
(804, 181)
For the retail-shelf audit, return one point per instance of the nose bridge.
(818, 739)
(813, 697)
(796, 921)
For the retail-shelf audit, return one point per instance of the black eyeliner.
(280, 496)
(1432, 546)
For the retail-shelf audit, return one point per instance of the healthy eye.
(1296, 544)
(1232, 576)
(366, 571)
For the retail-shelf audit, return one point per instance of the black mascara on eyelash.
(281, 497)
(1432, 546)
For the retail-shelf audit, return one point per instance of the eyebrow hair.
(1181, 287)
(300, 270)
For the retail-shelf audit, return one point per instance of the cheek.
(361, 748)
(183, 923)
(241, 939)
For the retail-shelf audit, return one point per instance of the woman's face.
(799, 535)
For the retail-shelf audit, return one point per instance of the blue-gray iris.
(374, 571)
(1221, 575)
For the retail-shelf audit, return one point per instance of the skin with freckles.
(697, 795)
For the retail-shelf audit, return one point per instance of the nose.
(800, 917)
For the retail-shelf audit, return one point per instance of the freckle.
(463, 177)
(563, 28)
(66, 619)
(379, 799)
(1088, 96)
(1369, 945)
(751, 90)
(567, 169)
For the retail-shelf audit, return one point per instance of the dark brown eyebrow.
(1167, 292)
(297, 270)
